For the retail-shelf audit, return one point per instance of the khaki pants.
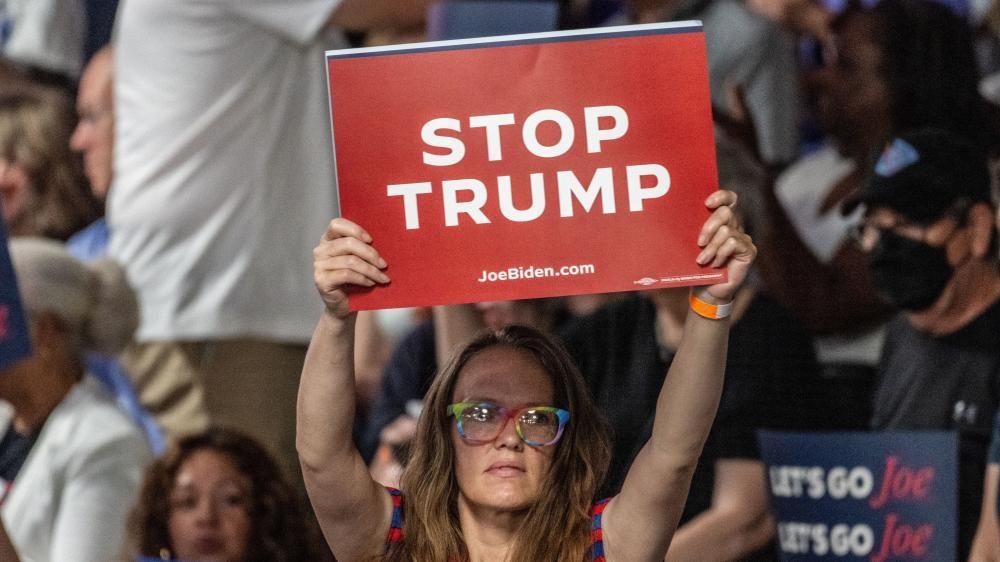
(249, 385)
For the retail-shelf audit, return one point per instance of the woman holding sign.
(510, 448)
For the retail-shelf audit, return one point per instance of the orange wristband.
(709, 310)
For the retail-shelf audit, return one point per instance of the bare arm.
(986, 545)
(640, 522)
(736, 524)
(352, 509)
(378, 14)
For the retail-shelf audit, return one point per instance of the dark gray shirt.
(945, 383)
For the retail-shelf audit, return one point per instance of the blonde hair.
(94, 301)
(557, 526)
(35, 128)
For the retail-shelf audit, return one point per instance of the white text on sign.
(468, 196)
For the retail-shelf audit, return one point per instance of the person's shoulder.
(88, 418)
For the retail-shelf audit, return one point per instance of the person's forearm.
(690, 394)
(326, 402)
(719, 536)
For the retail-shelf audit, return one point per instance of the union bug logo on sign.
(527, 166)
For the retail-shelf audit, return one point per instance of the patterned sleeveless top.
(596, 534)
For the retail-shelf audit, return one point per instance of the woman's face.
(504, 474)
(210, 510)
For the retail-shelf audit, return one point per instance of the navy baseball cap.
(922, 173)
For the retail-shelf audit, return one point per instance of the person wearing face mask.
(930, 237)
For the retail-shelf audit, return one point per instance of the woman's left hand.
(724, 244)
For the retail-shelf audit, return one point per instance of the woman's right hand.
(345, 257)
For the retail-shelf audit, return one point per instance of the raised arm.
(353, 511)
(640, 522)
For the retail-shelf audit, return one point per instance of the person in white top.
(71, 461)
(223, 174)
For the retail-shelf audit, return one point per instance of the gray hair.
(94, 300)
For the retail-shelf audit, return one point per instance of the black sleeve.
(771, 381)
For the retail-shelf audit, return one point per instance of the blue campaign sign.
(875, 497)
(468, 19)
(15, 343)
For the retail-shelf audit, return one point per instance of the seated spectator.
(70, 460)
(42, 187)
(219, 497)
(930, 236)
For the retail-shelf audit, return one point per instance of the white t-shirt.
(47, 34)
(224, 175)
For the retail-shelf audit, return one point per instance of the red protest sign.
(527, 166)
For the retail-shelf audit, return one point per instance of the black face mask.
(908, 273)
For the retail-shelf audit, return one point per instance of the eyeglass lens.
(483, 422)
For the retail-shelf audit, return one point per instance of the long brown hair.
(557, 525)
(279, 532)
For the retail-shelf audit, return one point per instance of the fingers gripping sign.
(724, 243)
(345, 257)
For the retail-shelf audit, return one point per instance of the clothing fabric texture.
(949, 383)
(71, 498)
(91, 244)
(223, 183)
(224, 176)
(396, 534)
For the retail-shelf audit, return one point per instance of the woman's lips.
(209, 545)
(505, 469)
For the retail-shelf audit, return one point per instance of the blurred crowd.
(165, 171)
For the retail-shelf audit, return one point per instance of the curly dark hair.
(279, 531)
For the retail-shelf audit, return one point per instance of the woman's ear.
(982, 223)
